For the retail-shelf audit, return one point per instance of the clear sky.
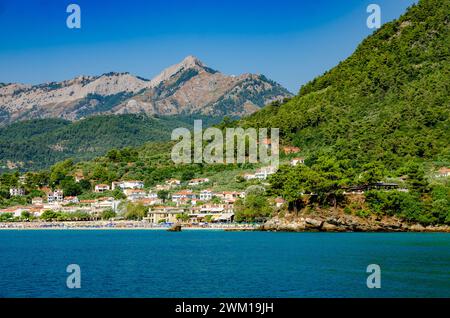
(289, 41)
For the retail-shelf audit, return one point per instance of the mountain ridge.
(189, 87)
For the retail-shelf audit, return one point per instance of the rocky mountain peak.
(189, 62)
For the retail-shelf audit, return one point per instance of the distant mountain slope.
(189, 87)
(39, 143)
(389, 102)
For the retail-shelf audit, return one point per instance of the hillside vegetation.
(387, 103)
(39, 143)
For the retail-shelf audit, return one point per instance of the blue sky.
(289, 41)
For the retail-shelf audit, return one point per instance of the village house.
(105, 203)
(290, 149)
(163, 214)
(16, 192)
(186, 201)
(149, 201)
(444, 172)
(183, 194)
(36, 211)
(135, 194)
(130, 184)
(217, 213)
(229, 195)
(16, 211)
(160, 187)
(37, 201)
(99, 188)
(71, 200)
(55, 196)
(296, 161)
(152, 195)
(205, 195)
(198, 181)
(264, 172)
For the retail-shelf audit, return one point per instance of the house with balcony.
(164, 214)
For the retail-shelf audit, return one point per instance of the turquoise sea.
(140, 263)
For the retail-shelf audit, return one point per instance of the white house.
(444, 172)
(37, 201)
(16, 192)
(101, 188)
(55, 196)
(183, 195)
(206, 195)
(71, 199)
(130, 184)
(196, 182)
(296, 161)
(135, 194)
(264, 172)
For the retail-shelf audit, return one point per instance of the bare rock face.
(189, 87)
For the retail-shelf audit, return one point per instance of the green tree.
(135, 211)
(163, 195)
(108, 214)
(184, 217)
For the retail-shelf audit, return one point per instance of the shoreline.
(138, 225)
(116, 225)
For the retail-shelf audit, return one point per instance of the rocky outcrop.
(189, 87)
(345, 223)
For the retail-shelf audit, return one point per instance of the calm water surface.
(135, 263)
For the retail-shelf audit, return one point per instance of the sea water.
(152, 263)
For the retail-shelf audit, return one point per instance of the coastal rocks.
(175, 228)
(312, 223)
(328, 227)
(345, 223)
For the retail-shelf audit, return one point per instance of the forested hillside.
(387, 103)
(37, 144)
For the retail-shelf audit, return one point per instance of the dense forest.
(39, 143)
